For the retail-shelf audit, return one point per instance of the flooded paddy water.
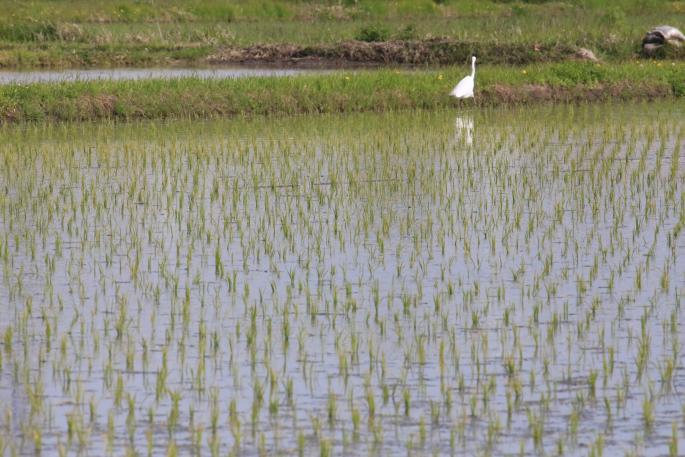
(502, 281)
(116, 74)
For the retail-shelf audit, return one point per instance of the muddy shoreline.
(438, 51)
(433, 52)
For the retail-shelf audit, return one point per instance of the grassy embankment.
(97, 33)
(539, 37)
(377, 90)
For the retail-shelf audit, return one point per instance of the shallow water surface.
(27, 77)
(496, 282)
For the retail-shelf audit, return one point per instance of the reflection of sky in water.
(15, 77)
(451, 240)
(13, 399)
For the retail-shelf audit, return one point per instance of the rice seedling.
(344, 285)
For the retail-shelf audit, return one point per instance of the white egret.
(465, 87)
(659, 36)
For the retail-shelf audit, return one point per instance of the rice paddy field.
(500, 281)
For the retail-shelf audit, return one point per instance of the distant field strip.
(338, 92)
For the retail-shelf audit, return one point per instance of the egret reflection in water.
(463, 130)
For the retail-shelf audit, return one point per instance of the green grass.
(86, 34)
(377, 90)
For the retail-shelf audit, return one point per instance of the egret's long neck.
(473, 68)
